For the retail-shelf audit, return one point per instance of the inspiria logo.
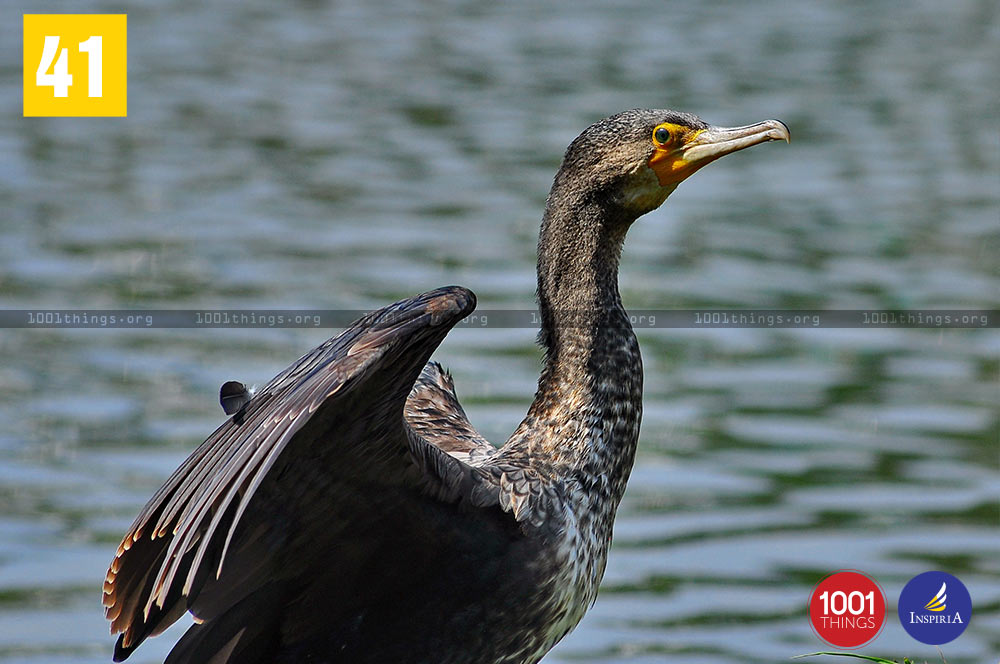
(934, 617)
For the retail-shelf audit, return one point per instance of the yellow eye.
(661, 135)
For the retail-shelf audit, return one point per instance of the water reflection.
(324, 155)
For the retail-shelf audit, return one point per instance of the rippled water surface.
(341, 155)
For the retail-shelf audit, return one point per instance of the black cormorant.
(348, 512)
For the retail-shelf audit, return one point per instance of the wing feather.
(435, 414)
(372, 365)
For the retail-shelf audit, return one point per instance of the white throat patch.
(644, 192)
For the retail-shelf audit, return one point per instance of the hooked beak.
(700, 147)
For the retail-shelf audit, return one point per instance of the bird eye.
(661, 135)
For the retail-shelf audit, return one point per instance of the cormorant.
(349, 512)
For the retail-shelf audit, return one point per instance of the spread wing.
(434, 413)
(335, 415)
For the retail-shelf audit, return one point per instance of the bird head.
(635, 159)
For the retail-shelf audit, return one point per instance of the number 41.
(60, 79)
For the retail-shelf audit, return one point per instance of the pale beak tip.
(779, 131)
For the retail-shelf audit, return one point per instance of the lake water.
(342, 155)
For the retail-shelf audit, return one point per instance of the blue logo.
(935, 608)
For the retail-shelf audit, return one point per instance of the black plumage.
(349, 512)
(234, 398)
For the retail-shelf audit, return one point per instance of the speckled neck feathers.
(584, 420)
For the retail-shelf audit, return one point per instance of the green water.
(343, 155)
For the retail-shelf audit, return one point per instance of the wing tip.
(436, 375)
(457, 300)
(122, 649)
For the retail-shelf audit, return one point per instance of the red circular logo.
(847, 609)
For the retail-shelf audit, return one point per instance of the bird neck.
(584, 420)
(579, 248)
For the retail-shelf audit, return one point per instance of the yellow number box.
(75, 65)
